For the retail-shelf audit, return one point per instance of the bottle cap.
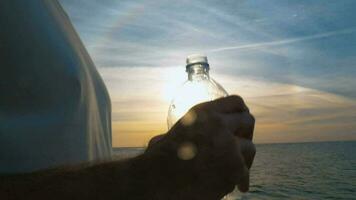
(196, 58)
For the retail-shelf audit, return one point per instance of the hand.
(211, 147)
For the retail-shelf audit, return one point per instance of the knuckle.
(253, 150)
(252, 119)
(200, 107)
(237, 98)
(249, 119)
(249, 125)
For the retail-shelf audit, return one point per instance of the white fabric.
(54, 107)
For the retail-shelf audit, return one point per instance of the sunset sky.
(294, 62)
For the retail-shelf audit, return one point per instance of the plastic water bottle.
(199, 87)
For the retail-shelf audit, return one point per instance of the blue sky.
(305, 50)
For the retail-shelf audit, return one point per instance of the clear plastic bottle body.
(198, 88)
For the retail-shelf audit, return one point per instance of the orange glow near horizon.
(284, 112)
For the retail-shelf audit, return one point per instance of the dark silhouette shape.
(221, 134)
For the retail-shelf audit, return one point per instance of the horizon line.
(263, 143)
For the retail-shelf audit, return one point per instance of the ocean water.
(324, 170)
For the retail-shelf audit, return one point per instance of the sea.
(317, 170)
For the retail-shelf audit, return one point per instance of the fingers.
(241, 124)
(248, 150)
(230, 104)
(244, 182)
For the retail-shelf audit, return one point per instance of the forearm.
(137, 178)
(107, 181)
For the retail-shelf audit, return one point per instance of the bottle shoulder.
(218, 86)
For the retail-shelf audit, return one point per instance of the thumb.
(244, 182)
(247, 149)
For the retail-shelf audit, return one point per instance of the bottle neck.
(197, 71)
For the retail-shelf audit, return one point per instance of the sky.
(294, 62)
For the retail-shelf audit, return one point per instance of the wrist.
(166, 171)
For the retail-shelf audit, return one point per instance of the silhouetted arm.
(204, 160)
(126, 179)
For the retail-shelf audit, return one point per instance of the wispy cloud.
(285, 41)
